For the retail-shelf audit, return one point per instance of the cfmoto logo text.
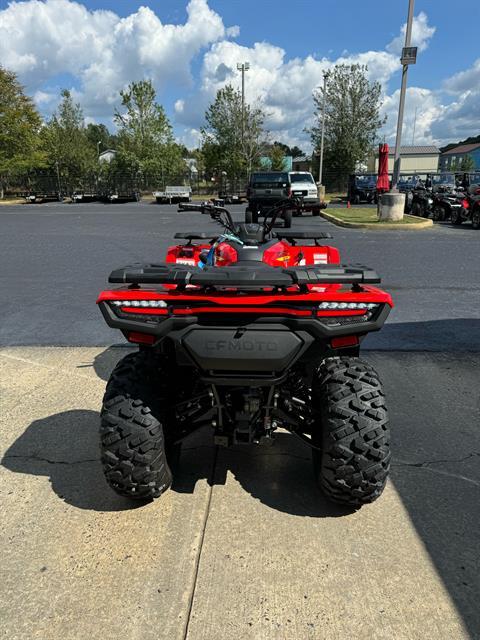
(246, 344)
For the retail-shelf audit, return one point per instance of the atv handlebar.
(216, 213)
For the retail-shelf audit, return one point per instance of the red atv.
(246, 332)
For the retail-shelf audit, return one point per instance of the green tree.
(277, 157)
(352, 118)
(232, 137)
(145, 139)
(467, 164)
(294, 151)
(65, 140)
(99, 133)
(20, 124)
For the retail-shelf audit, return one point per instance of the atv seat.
(306, 234)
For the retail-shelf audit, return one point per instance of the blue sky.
(189, 49)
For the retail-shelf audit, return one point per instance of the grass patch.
(361, 215)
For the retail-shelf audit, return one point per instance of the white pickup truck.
(303, 186)
(173, 194)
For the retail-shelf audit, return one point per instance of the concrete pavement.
(243, 546)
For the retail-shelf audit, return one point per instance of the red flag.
(383, 180)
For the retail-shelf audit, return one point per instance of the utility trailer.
(173, 193)
(43, 188)
(121, 188)
(84, 196)
(86, 189)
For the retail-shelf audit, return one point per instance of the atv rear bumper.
(320, 328)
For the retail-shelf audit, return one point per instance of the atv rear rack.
(251, 275)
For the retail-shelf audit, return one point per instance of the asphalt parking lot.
(244, 545)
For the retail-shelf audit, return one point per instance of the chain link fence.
(54, 185)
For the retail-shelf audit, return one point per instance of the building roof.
(108, 151)
(301, 159)
(462, 148)
(414, 151)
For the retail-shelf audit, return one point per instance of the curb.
(422, 224)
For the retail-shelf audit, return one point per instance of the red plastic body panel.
(281, 254)
(186, 254)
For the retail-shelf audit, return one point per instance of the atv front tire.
(132, 442)
(417, 209)
(476, 218)
(455, 217)
(352, 458)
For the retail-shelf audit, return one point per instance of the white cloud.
(102, 52)
(461, 119)
(283, 87)
(39, 40)
(422, 109)
(421, 35)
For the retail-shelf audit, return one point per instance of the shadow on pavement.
(280, 476)
(64, 447)
(459, 335)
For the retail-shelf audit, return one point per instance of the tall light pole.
(98, 148)
(409, 56)
(414, 126)
(326, 75)
(243, 66)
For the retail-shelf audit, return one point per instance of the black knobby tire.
(315, 211)
(287, 218)
(438, 213)
(455, 217)
(356, 199)
(132, 442)
(476, 218)
(417, 209)
(352, 460)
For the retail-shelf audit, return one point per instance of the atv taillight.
(345, 306)
(225, 255)
(140, 338)
(465, 204)
(277, 256)
(344, 313)
(152, 304)
(344, 341)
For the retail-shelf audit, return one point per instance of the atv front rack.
(252, 275)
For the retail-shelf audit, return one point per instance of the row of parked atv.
(443, 198)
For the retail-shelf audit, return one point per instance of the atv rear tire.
(476, 218)
(352, 461)
(132, 442)
(455, 217)
(438, 213)
(417, 209)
